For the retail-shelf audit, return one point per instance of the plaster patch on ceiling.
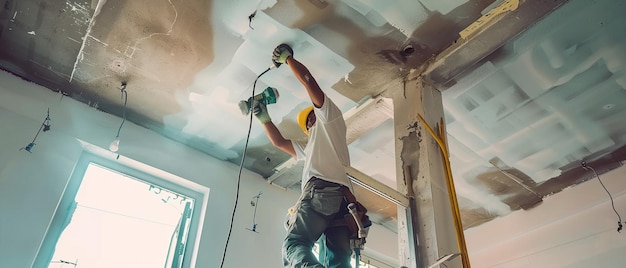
(216, 107)
(405, 15)
(218, 99)
(481, 196)
(372, 16)
(255, 53)
(349, 22)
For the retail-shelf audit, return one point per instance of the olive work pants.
(320, 203)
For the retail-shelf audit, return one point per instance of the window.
(112, 215)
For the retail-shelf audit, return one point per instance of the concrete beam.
(367, 116)
(487, 34)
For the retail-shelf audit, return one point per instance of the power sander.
(268, 96)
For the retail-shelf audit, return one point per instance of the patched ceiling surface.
(519, 120)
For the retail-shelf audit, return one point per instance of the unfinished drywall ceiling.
(519, 120)
(525, 117)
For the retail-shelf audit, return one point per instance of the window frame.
(134, 170)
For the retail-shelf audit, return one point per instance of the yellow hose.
(458, 225)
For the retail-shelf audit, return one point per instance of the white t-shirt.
(326, 153)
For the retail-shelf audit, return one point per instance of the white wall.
(31, 184)
(574, 228)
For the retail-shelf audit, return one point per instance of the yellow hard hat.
(302, 116)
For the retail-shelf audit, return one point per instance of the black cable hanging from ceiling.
(619, 218)
(115, 145)
(45, 126)
(243, 157)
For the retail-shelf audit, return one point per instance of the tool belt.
(348, 220)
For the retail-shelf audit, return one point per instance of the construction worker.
(324, 179)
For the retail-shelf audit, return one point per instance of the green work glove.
(281, 53)
(260, 111)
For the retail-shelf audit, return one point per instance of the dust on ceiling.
(520, 119)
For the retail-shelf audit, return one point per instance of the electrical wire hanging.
(125, 96)
(255, 204)
(243, 157)
(619, 218)
(45, 126)
(116, 141)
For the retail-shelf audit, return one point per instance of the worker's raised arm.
(260, 111)
(284, 54)
(278, 140)
(305, 77)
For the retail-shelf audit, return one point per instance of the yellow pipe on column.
(452, 189)
(454, 204)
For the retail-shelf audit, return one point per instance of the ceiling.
(522, 109)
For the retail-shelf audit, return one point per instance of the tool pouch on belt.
(362, 215)
(348, 220)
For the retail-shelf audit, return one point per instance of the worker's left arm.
(278, 140)
(304, 76)
(272, 132)
(284, 54)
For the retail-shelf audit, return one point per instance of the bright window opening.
(115, 219)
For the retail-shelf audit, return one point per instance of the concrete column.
(426, 229)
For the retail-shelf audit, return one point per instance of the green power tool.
(268, 96)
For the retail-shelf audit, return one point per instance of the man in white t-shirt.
(324, 180)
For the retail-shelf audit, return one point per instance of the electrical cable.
(243, 157)
(619, 218)
(114, 147)
(125, 96)
(256, 205)
(45, 126)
